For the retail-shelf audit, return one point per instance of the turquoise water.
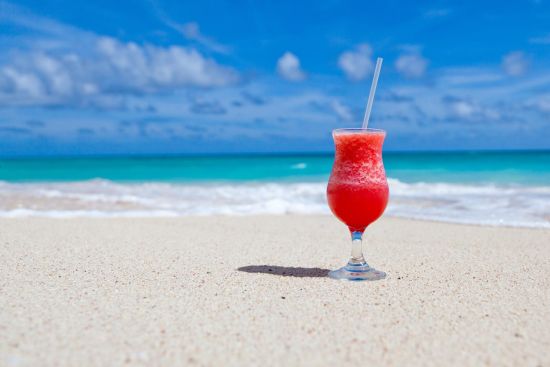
(524, 168)
(496, 188)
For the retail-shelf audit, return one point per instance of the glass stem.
(357, 249)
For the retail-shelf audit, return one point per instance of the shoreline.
(211, 290)
(512, 206)
(145, 216)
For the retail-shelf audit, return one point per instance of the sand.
(242, 291)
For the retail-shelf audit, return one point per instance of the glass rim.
(358, 130)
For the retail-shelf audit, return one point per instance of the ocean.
(491, 188)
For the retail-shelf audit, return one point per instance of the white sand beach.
(252, 290)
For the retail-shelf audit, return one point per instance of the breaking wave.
(479, 204)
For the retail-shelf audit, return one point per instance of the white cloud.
(20, 82)
(149, 68)
(412, 64)
(544, 103)
(16, 15)
(469, 76)
(356, 64)
(515, 63)
(463, 108)
(192, 32)
(109, 68)
(541, 103)
(59, 64)
(288, 66)
(470, 98)
(472, 111)
(341, 110)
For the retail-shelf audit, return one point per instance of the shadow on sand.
(285, 271)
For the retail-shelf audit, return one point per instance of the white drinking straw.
(372, 91)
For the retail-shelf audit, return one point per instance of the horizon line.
(256, 154)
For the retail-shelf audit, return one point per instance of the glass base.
(357, 273)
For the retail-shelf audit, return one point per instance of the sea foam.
(491, 204)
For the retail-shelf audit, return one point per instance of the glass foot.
(356, 272)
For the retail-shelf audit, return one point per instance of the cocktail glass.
(357, 193)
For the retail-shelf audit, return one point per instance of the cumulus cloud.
(288, 66)
(474, 105)
(110, 68)
(464, 109)
(149, 68)
(357, 63)
(515, 63)
(411, 64)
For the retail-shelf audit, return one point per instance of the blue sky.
(165, 77)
